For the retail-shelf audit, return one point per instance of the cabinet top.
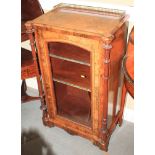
(83, 19)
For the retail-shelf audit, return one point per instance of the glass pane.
(71, 73)
(73, 103)
(113, 98)
(70, 52)
(70, 66)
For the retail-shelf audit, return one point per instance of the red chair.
(30, 9)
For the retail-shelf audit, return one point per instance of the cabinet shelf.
(67, 59)
(70, 84)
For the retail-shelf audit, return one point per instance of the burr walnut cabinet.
(80, 50)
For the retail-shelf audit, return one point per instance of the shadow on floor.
(32, 143)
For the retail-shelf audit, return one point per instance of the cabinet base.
(103, 146)
(101, 141)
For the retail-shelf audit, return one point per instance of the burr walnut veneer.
(80, 51)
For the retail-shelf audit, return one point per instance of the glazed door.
(71, 76)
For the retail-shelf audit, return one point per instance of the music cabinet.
(80, 50)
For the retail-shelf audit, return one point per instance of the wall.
(116, 4)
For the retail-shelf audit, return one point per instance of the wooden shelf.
(69, 84)
(67, 59)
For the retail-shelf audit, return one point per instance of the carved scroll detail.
(106, 61)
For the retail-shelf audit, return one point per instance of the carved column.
(107, 49)
(30, 32)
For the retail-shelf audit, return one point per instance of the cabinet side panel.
(117, 52)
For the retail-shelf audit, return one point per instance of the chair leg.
(24, 87)
(124, 91)
(24, 96)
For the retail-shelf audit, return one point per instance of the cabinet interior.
(70, 67)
